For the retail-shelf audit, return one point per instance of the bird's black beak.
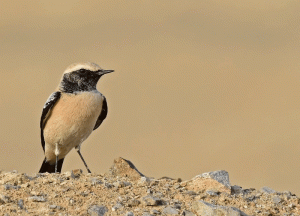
(102, 72)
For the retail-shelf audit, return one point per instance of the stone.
(124, 168)
(191, 193)
(236, 190)
(129, 214)
(9, 186)
(95, 181)
(96, 210)
(117, 206)
(212, 192)
(267, 190)
(154, 211)
(147, 214)
(133, 202)
(76, 173)
(145, 180)
(21, 204)
(4, 199)
(276, 199)
(188, 213)
(217, 180)
(170, 211)
(207, 209)
(151, 200)
(37, 199)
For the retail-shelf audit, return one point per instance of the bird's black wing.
(54, 97)
(102, 115)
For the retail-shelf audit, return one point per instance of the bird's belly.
(70, 122)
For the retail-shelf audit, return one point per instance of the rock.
(267, 190)
(76, 173)
(96, 210)
(147, 214)
(218, 180)
(95, 181)
(170, 211)
(154, 211)
(117, 206)
(129, 214)
(151, 200)
(207, 209)
(188, 213)
(212, 193)
(236, 190)
(120, 184)
(21, 204)
(145, 180)
(4, 199)
(191, 193)
(133, 202)
(9, 186)
(276, 199)
(37, 199)
(124, 168)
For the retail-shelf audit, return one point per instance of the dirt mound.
(126, 191)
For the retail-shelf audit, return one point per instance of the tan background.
(199, 85)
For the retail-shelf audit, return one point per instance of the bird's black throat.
(79, 81)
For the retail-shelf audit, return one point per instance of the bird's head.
(81, 77)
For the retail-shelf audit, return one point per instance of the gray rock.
(170, 210)
(276, 199)
(188, 213)
(154, 211)
(250, 198)
(96, 210)
(236, 190)
(207, 209)
(21, 204)
(191, 193)
(9, 186)
(95, 181)
(145, 180)
(108, 185)
(37, 199)
(117, 206)
(129, 214)
(151, 200)
(221, 176)
(267, 190)
(212, 193)
(120, 184)
(147, 214)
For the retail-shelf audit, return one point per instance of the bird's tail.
(47, 167)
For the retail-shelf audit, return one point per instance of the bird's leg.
(56, 153)
(78, 151)
(56, 163)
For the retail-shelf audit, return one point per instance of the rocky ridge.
(126, 191)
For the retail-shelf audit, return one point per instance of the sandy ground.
(123, 190)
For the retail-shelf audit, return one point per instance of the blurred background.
(198, 86)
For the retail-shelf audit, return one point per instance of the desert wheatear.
(71, 113)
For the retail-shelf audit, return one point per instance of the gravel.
(125, 191)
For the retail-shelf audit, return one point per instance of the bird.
(71, 114)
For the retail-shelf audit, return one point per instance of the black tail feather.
(47, 167)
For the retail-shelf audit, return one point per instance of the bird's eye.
(82, 71)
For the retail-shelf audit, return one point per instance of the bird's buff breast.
(71, 121)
